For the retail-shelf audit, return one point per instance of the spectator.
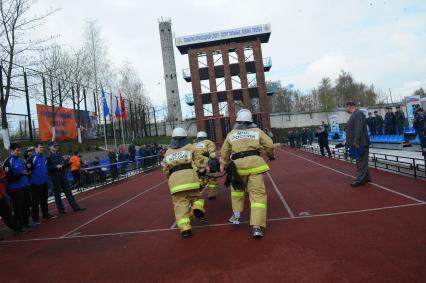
(297, 138)
(371, 122)
(358, 143)
(304, 136)
(290, 137)
(389, 122)
(122, 158)
(322, 136)
(99, 173)
(85, 174)
(399, 120)
(5, 210)
(310, 134)
(112, 156)
(75, 170)
(56, 166)
(39, 187)
(142, 154)
(132, 152)
(378, 123)
(419, 124)
(18, 185)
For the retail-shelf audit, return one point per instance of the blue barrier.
(387, 138)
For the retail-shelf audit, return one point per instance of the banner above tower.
(261, 31)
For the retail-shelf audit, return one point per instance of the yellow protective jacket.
(247, 139)
(203, 147)
(182, 180)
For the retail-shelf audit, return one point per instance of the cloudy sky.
(378, 42)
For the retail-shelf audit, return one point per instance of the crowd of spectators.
(28, 179)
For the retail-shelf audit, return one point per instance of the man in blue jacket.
(39, 187)
(18, 184)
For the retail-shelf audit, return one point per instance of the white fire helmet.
(201, 134)
(244, 115)
(179, 132)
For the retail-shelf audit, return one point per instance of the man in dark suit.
(379, 123)
(357, 140)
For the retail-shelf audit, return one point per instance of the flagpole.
(113, 123)
(103, 110)
(121, 122)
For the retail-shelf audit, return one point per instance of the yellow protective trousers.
(184, 204)
(211, 184)
(257, 196)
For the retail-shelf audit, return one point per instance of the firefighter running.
(205, 150)
(241, 154)
(178, 165)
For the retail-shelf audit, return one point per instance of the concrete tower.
(173, 102)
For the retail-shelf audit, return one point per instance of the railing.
(267, 62)
(96, 176)
(186, 73)
(410, 166)
(189, 99)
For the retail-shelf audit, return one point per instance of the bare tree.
(16, 23)
(95, 46)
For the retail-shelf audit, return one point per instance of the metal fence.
(96, 176)
(409, 166)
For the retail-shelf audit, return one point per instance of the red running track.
(319, 230)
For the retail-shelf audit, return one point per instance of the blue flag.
(104, 103)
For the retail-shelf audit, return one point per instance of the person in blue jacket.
(39, 187)
(18, 185)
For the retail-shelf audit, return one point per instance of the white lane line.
(102, 190)
(114, 185)
(290, 212)
(351, 211)
(348, 175)
(112, 209)
(173, 225)
(217, 225)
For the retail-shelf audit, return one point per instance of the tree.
(132, 88)
(14, 43)
(97, 51)
(326, 95)
(420, 92)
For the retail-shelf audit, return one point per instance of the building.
(226, 69)
(174, 111)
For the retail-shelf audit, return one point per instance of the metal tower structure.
(227, 73)
(174, 111)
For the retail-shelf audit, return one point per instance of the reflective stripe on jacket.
(182, 180)
(248, 139)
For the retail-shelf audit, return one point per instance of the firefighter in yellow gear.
(242, 148)
(204, 150)
(178, 165)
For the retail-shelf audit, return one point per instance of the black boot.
(186, 233)
(200, 216)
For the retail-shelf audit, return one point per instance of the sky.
(378, 42)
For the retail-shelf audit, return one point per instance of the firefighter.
(205, 149)
(241, 154)
(184, 185)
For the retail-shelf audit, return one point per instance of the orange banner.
(65, 125)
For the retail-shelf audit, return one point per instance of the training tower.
(174, 111)
(227, 72)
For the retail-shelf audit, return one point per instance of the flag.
(123, 108)
(117, 109)
(104, 103)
